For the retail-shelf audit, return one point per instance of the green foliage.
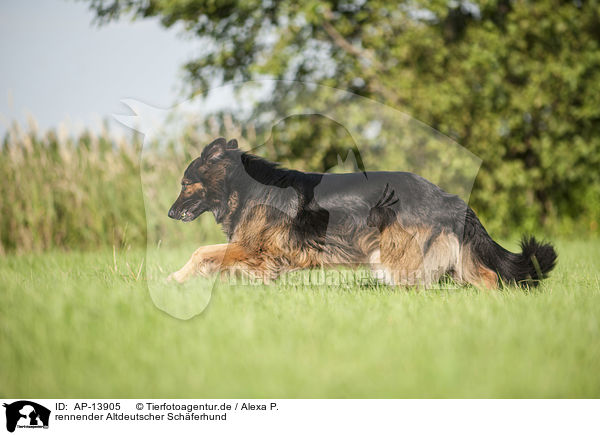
(516, 82)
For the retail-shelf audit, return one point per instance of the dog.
(410, 231)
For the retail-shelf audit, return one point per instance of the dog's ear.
(214, 150)
(232, 144)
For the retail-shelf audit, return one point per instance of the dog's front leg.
(205, 261)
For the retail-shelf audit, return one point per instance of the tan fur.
(232, 206)
(471, 271)
(402, 260)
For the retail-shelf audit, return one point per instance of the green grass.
(80, 325)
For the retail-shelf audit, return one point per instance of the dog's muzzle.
(188, 214)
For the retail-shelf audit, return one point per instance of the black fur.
(530, 266)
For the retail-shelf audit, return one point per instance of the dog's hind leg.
(399, 259)
(415, 256)
(441, 255)
(471, 271)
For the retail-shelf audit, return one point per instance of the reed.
(81, 191)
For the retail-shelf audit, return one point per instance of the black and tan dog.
(408, 229)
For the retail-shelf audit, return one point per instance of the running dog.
(407, 229)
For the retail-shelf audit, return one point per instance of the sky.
(59, 66)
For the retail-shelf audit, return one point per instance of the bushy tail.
(527, 268)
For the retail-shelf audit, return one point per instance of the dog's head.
(203, 182)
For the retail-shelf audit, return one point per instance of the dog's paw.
(176, 277)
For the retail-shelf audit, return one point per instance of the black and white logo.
(26, 414)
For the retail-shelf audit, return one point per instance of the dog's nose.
(172, 214)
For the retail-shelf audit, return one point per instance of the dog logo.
(26, 414)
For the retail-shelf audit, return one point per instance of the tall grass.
(64, 191)
(83, 191)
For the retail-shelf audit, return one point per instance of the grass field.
(81, 325)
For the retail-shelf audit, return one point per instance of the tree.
(516, 82)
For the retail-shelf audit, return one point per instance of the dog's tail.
(526, 268)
